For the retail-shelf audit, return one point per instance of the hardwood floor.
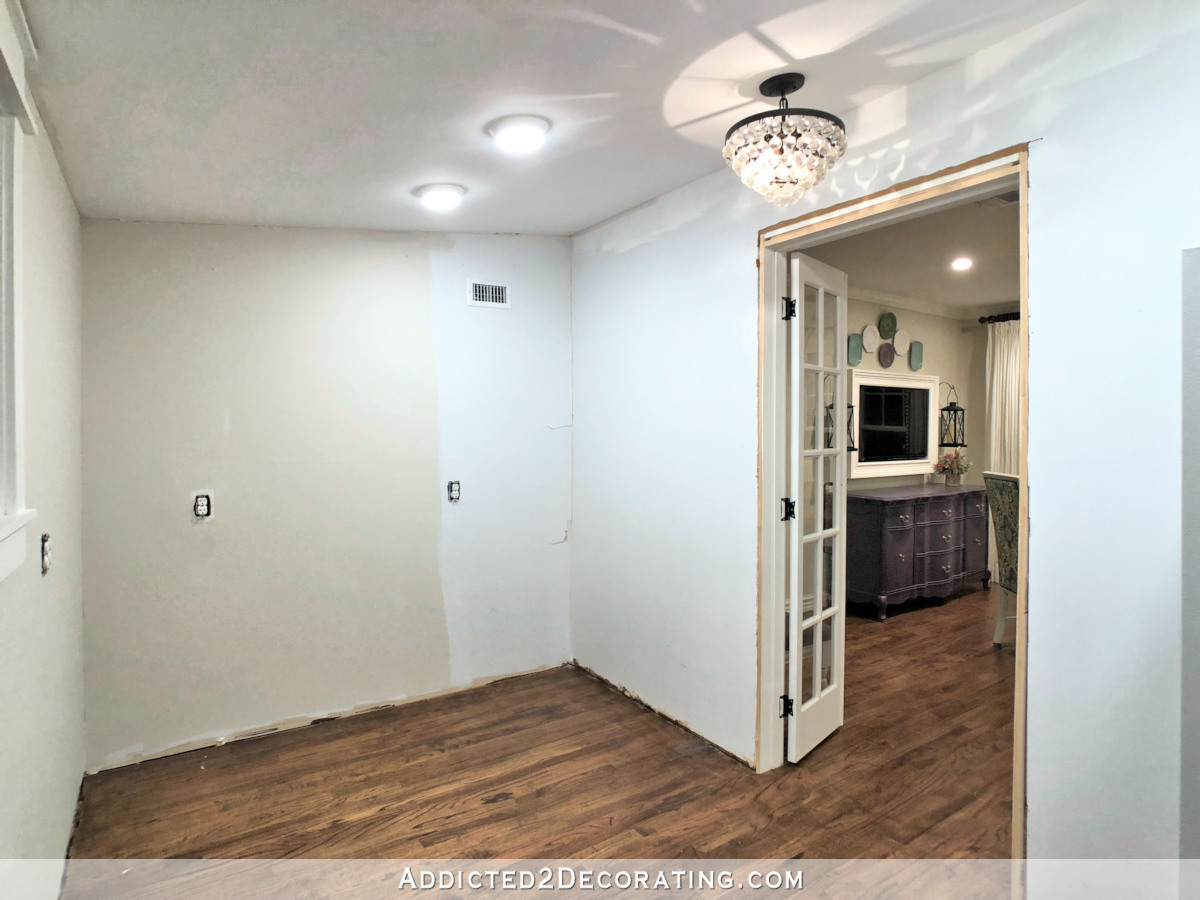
(557, 764)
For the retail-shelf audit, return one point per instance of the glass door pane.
(817, 336)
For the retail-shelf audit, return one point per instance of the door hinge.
(789, 509)
(787, 706)
(789, 308)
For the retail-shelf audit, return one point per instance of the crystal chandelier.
(782, 153)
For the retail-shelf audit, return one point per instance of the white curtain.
(1003, 393)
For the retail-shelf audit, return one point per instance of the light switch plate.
(45, 553)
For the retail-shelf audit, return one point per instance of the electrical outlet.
(453, 491)
(45, 553)
(202, 505)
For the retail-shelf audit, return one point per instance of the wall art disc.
(854, 349)
(887, 355)
(870, 336)
(901, 342)
(887, 326)
(916, 356)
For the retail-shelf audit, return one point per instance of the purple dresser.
(923, 541)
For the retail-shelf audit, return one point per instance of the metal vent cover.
(1006, 199)
(494, 296)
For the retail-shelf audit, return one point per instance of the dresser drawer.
(975, 544)
(898, 559)
(940, 509)
(898, 515)
(941, 567)
(937, 537)
(975, 504)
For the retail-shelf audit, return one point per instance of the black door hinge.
(789, 308)
(787, 706)
(789, 509)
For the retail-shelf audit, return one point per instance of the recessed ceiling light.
(962, 264)
(519, 135)
(441, 197)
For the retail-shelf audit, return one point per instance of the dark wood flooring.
(557, 764)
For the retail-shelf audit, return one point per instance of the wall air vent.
(490, 295)
(1005, 199)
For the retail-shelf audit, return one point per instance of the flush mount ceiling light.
(782, 153)
(962, 264)
(441, 197)
(519, 135)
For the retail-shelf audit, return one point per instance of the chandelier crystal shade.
(782, 153)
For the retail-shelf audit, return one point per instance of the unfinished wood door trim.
(944, 181)
(773, 243)
(1020, 803)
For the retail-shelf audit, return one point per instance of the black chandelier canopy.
(780, 86)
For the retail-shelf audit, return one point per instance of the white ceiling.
(330, 112)
(910, 260)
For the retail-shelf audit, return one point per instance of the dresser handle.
(978, 542)
(901, 557)
(905, 518)
(945, 538)
(946, 513)
(946, 569)
(979, 506)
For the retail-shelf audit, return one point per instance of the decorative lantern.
(831, 421)
(830, 428)
(953, 430)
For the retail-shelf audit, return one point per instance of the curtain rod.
(1003, 317)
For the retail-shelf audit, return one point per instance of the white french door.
(815, 585)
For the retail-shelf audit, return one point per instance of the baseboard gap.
(293, 723)
(630, 695)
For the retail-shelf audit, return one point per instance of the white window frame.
(14, 516)
(922, 466)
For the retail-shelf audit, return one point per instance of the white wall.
(41, 617)
(663, 586)
(324, 386)
(1189, 817)
(504, 385)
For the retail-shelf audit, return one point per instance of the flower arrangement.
(952, 464)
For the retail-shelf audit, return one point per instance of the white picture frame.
(922, 466)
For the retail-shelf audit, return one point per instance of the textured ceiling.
(329, 113)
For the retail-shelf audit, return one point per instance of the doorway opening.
(879, 378)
